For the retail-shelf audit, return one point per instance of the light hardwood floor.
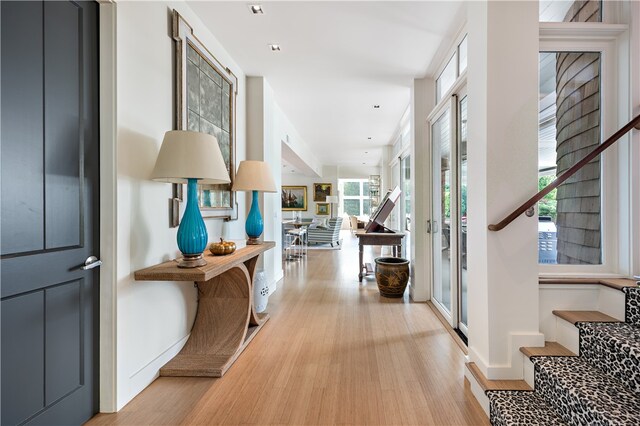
(334, 352)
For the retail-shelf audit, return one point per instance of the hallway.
(333, 352)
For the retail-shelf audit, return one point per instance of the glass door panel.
(405, 205)
(394, 217)
(441, 214)
(462, 209)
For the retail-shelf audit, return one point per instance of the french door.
(448, 224)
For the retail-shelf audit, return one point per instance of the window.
(462, 56)
(446, 78)
(570, 221)
(355, 197)
(352, 188)
(570, 11)
(457, 65)
(405, 179)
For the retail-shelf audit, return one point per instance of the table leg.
(361, 252)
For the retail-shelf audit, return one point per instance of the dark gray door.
(49, 170)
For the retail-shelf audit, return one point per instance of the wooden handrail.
(566, 175)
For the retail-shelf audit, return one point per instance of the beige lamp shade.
(254, 176)
(332, 199)
(185, 154)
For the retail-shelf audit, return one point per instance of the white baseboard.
(273, 285)
(514, 368)
(477, 391)
(138, 381)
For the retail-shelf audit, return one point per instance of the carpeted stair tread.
(520, 408)
(549, 349)
(575, 317)
(614, 348)
(583, 394)
(632, 305)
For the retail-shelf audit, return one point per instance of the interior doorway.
(50, 212)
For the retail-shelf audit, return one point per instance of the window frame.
(602, 38)
(453, 53)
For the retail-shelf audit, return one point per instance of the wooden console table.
(393, 239)
(226, 320)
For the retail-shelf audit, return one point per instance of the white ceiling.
(338, 59)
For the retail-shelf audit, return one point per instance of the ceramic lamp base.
(253, 241)
(191, 261)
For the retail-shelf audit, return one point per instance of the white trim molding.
(108, 206)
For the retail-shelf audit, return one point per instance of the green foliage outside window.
(446, 195)
(352, 207)
(366, 208)
(351, 188)
(548, 205)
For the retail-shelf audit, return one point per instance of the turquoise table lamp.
(191, 158)
(254, 176)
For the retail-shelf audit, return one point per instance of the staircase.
(600, 386)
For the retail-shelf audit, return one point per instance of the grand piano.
(376, 234)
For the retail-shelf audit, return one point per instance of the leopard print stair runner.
(601, 386)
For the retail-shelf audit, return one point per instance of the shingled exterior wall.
(577, 134)
(584, 11)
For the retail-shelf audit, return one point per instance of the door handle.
(90, 263)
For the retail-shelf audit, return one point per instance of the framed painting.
(206, 94)
(323, 209)
(294, 198)
(321, 191)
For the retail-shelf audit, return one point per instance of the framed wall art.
(294, 198)
(205, 99)
(323, 209)
(321, 191)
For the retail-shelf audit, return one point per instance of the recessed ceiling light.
(256, 9)
(376, 107)
(274, 47)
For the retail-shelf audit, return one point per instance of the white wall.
(502, 170)
(290, 136)
(422, 102)
(633, 17)
(358, 172)
(153, 318)
(264, 133)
